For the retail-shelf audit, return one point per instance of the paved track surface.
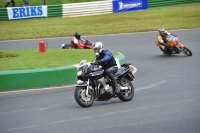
(167, 93)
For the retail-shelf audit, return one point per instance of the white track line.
(151, 85)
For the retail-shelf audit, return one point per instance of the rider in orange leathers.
(162, 38)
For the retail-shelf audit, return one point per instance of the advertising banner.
(129, 5)
(26, 12)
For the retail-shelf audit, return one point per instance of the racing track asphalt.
(166, 100)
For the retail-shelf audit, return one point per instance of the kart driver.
(76, 41)
(108, 63)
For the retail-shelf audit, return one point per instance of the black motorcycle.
(94, 85)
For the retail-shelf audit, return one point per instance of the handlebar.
(94, 63)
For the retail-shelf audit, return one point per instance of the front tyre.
(128, 94)
(186, 51)
(82, 99)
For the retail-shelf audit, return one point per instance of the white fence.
(87, 8)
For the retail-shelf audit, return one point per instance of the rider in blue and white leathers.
(108, 63)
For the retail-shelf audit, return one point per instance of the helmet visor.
(96, 50)
(162, 32)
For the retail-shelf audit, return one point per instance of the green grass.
(175, 17)
(32, 58)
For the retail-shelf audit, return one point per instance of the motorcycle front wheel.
(82, 99)
(186, 51)
(128, 94)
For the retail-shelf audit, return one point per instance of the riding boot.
(116, 87)
(110, 73)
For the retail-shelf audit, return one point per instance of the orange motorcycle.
(175, 46)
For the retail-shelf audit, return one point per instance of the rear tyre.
(129, 93)
(82, 99)
(186, 51)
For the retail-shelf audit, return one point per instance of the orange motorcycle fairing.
(172, 42)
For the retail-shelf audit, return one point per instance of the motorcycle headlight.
(79, 81)
(79, 73)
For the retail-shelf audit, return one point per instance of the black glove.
(167, 46)
(98, 62)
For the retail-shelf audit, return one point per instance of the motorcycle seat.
(119, 71)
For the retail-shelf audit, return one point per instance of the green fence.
(3, 14)
(159, 3)
(55, 10)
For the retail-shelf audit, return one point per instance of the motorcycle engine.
(106, 87)
(104, 91)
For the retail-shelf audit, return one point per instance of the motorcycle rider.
(162, 38)
(108, 63)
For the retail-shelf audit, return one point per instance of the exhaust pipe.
(123, 88)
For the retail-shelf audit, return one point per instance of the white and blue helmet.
(98, 47)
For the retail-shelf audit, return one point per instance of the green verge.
(174, 17)
(36, 78)
(32, 58)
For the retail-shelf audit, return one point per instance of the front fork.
(180, 46)
(87, 89)
(87, 85)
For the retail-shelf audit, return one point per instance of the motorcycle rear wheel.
(82, 99)
(129, 93)
(186, 51)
